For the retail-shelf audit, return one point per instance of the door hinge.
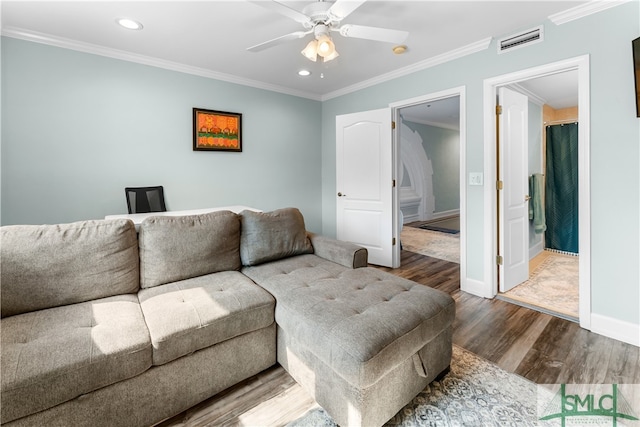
(499, 260)
(393, 183)
(499, 185)
(498, 109)
(393, 241)
(393, 124)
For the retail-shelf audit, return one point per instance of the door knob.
(527, 197)
(340, 194)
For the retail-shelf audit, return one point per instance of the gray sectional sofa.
(104, 327)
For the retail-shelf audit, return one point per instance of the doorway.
(429, 178)
(551, 284)
(430, 136)
(580, 66)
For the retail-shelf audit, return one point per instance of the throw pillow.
(176, 248)
(267, 236)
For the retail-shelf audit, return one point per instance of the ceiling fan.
(321, 18)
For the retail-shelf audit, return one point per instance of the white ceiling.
(210, 37)
(558, 90)
(443, 113)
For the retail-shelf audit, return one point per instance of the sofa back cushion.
(267, 236)
(47, 266)
(176, 248)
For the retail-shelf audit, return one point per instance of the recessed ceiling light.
(304, 73)
(129, 24)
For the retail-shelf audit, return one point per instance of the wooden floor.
(537, 346)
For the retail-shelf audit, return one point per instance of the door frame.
(491, 85)
(459, 91)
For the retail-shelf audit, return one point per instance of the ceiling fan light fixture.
(311, 51)
(328, 58)
(325, 46)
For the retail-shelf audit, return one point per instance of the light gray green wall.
(78, 128)
(615, 145)
(535, 159)
(442, 147)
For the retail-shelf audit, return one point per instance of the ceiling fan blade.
(374, 33)
(342, 8)
(283, 10)
(278, 40)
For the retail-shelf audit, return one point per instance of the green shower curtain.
(561, 189)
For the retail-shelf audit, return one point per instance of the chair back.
(145, 199)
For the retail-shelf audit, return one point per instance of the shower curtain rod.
(561, 122)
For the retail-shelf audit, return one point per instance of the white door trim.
(447, 93)
(581, 64)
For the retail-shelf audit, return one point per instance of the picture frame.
(216, 130)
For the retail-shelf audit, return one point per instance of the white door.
(513, 206)
(364, 183)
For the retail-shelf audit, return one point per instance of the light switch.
(475, 178)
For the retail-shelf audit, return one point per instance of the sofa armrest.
(343, 253)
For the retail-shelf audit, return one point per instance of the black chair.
(145, 199)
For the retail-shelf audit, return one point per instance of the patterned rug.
(431, 243)
(446, 225)
(552, 286)
(474, 393)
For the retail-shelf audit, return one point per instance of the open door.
(364, 183)
(513, 212)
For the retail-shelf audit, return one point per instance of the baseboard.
(475, 287)
(617, 329)
(444, 214)
(410, 218)
(536, 250)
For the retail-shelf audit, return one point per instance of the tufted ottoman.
(361, 341)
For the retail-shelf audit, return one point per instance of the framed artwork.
(216, 130)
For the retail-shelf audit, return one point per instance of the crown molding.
(61, 42)
(65, 43)
(536, 99)
(418, 66)
(558, 19)
(583, 10)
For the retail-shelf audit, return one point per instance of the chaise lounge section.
(103, 327)
(361, 341)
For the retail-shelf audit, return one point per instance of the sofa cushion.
(47, 266)
(192, 314)
(181, 247)
(268, 236)
(362, 323)
(55, 355)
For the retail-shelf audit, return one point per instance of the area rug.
(553, 286)
(474, 393)
(431, 243)
(445, 225)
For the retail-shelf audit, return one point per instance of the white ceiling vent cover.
(526, 38)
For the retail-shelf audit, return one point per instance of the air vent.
(516, 41)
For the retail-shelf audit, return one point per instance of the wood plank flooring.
(537, 346)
